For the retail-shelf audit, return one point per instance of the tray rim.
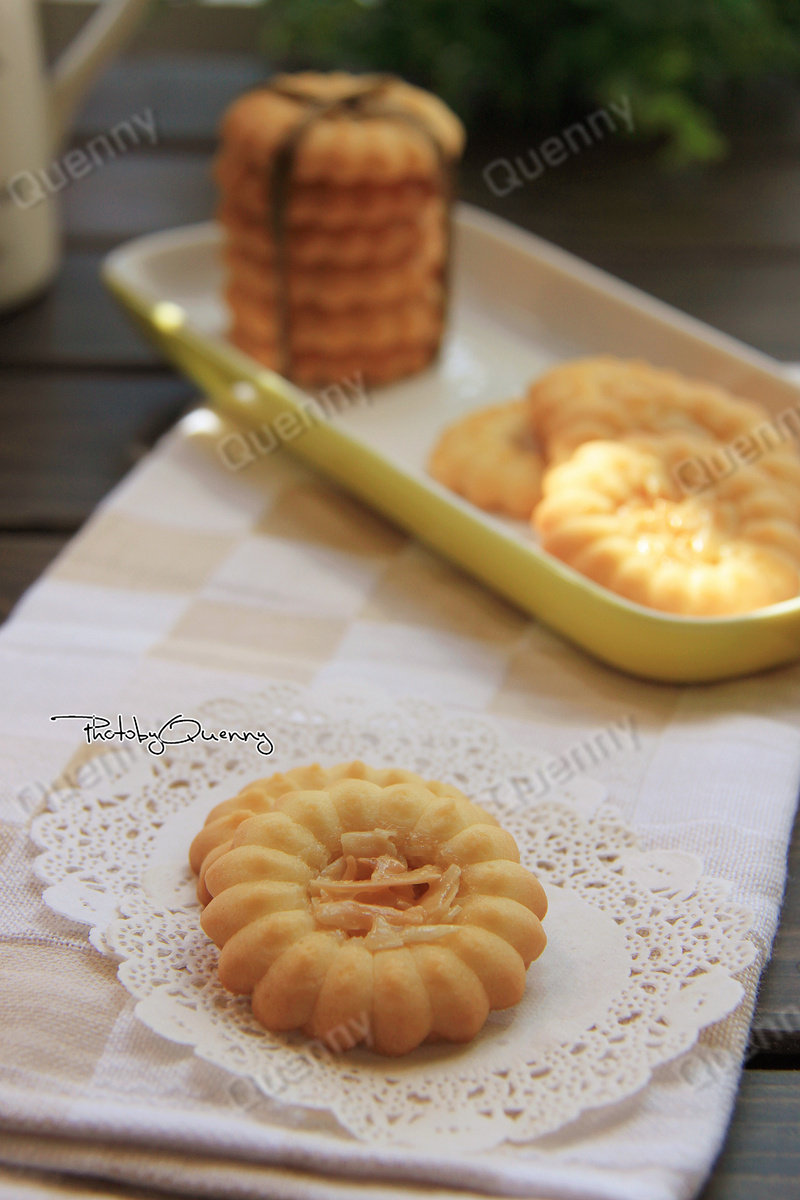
(643, 642)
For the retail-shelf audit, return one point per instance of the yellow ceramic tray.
(519, 305)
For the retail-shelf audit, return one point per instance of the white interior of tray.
(518, 305)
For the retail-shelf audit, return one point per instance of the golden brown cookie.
(373, 368)
(609, 398)
(491, 459)
(615, 512)
(324, 205)
(389, 246)
(260, 796)
(391, 138)
(314, 330)
(374, 907)
(348, 175)
(336, 288)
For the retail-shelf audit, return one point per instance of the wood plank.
(75, 323)
(761, 1156)
(612, 192)
(752, 296)
(67, 439)
(186, 92)
(776, 1025)
(23, 558)
(138, 193)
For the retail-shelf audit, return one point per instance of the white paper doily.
(642, 947)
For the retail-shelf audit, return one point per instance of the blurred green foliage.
(540, 60)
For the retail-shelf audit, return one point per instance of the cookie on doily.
(370, 901)
(339, 171)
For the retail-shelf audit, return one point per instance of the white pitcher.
(35, 114)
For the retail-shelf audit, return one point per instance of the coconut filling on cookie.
(371, 889)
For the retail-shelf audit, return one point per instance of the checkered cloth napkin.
(193, 581)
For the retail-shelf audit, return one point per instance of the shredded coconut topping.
(370, 889)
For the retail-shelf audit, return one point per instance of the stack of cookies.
(335, 195)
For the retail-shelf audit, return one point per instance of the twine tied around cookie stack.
(336, 197)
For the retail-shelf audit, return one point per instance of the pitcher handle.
(84, 58)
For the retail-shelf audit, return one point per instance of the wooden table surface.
(82, 396)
